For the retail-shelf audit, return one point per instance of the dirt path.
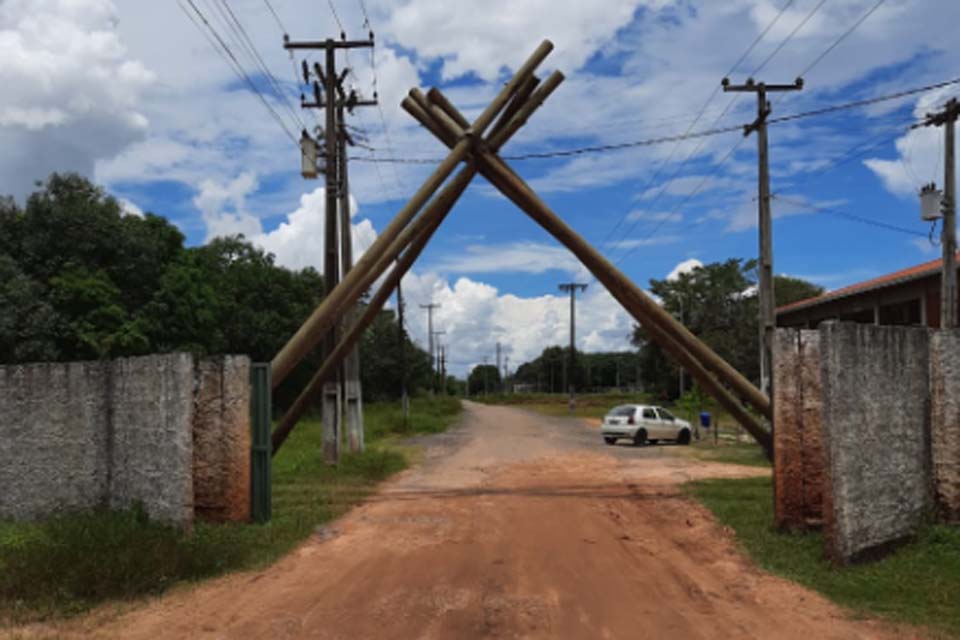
(515, 526)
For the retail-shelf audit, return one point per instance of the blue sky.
(166, 125)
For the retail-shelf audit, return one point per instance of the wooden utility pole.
(430, 307)
(499, 365)
(333, 99)
(948, 238)
(572, 288)
(436, 362)
(402, 337)
(768, 319)
(352, 392)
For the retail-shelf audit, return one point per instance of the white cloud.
(684, 267)
(503, 32)
(298, 242)
(476, 315)
(129, 208)
(644, 242)
(518, 257)
(72, 93)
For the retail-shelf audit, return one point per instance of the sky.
(133, 95)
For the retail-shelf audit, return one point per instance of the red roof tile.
(891, 279)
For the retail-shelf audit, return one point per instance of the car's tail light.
(631, 421)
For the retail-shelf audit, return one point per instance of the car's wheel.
(684, 437)
(640, 437)
(610, 440)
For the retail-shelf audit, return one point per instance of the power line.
(851, 217)
(696, 120)
(276, 17)
(222, 48)
(842, 37)
(863, 103)
(246, 43)
(789, 37)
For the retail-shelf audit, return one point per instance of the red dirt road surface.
(515, 526)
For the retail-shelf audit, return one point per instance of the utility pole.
(948, 237)
(499, 370)
(430, 307)
(402, 336)
(765, 297)
(352, 392)
(443, 370)
(436, 363)
(486, 387)
(332, 99)
(568, 375)
(680, 369)
(506, 374)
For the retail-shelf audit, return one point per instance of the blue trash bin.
(705, 419)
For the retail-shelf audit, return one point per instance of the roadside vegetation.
(68, 564)
(917, 584)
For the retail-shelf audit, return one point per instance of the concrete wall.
(222, 439)
(74, 436)
(798, 445)
(875, 427)
(945, 422)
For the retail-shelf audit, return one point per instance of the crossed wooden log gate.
(405, 237)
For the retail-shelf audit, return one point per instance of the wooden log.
(645, 310)
(371, 265)
(436, 213)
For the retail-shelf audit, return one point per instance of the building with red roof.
(907, 297)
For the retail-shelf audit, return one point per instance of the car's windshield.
(622, 411)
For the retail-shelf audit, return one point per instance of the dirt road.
(515, 526)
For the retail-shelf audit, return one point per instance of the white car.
(644, 423)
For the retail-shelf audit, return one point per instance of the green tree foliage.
(81, 280)
(484, 378)
(380, 366)
(717, 302)
(591, 370)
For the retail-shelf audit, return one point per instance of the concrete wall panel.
(945, 422)
(53, 449)
(798, 449)
(221, 439)
(152, 454)
(875, 427)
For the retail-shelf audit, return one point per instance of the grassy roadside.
(555, 404)
(66, 565)
(918, 584)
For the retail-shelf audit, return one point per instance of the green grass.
(731, 452)
(68, 564)
(918, 584)
(554, 404)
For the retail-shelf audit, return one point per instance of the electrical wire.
(275, 16)
(222, 48)
(789, 37)
(851, 217)
(694, 123)
(247, 45)
(842, 37)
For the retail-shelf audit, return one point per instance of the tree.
(716, 302)
(483, 379)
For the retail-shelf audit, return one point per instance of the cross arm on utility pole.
(761, 89)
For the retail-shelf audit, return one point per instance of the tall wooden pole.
(331, 409)
(948, 288)
(636, 302)
(389, 244)
(402, 339)
(948, 239)
(569, 371)
(352, 391)
(416, 235)
(646, 311)
(765, 296)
